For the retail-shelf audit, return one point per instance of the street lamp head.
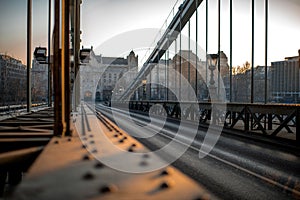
(212, 60)
(144, 82)
(84, 55)
(40, 54)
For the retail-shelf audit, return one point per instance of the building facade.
(285, 80)
(12, 81)
(196, 73)
(241, 85)
(104, 78)
(39, 81)
(169, 77)
(156, 81)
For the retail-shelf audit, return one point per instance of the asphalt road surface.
(236, 168)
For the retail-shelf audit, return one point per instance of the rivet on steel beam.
(133, 145)
(83, 146)
(99, 165)
(86, 157)
(164, 172)
(203, 196)
(120, 133)
(115, 135)
(91, 136)
(92, 142)
(107, 189)
(143, 163)
(124, 138)
(88, 176)
(146, 155)
(56, 142)
(94, 151)
(121, 141)
(69, 139)
(164, 185)
(131, 149)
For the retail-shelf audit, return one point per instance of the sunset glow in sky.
(104, 19)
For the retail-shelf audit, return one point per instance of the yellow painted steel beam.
(72, 167)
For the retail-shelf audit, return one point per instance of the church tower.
(132, 60)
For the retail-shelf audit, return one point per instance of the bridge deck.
(70, 167)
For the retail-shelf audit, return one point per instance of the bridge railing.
(6, 110)
(271, 120)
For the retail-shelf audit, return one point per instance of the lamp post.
(212, 63)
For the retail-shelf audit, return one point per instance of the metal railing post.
(298, 126)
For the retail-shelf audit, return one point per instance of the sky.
(13, 26)
(135, 23)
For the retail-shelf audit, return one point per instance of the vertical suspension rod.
(66, 64)
(49, 55)
(206, 45)
(180, 60)
(219, 45)
(58, 125)
(189, 56)
(196, 81)
(29, 34)
(230, 39)
(76, 89)
(252, 57)
(266, 48)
